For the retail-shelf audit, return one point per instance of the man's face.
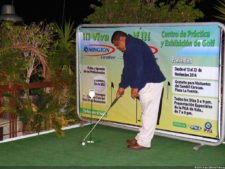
(120, 44)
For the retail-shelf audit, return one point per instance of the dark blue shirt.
(140, 65)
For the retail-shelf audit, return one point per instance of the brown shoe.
(131, 141)
(137, 147)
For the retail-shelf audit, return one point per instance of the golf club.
(111, 105)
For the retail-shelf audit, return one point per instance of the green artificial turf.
(109, 149)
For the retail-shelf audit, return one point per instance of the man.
(143, 75)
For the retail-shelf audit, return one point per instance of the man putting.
(143, 75)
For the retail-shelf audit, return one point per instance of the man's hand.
(134, 93)
(120, 92)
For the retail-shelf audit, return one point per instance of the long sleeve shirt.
(140, 65)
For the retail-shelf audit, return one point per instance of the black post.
(112, 87)
(136, 112)
(1, 133)
(168, 84)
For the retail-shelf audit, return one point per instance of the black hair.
(117, 34)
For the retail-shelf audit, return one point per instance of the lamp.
(91, 94)
(8, 14)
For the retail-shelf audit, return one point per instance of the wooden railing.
(13, 89)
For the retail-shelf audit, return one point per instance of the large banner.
(189, 57)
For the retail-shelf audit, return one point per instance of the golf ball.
(83, 143)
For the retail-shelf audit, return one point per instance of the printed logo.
(179, 124)
(193, 127)
(208, 127)
(99, 83)
(97, 50)
(154, 49)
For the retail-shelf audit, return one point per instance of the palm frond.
(221, 8)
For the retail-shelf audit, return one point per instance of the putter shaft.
(116, 99)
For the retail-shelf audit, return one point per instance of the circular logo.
(208, 125)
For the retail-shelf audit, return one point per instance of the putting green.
(109, 149)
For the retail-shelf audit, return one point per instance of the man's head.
(119, 40)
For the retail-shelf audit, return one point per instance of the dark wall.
(77, 10)
(51, 10)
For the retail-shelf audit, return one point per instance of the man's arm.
(124, 83)
(137, 66)
(124, 78)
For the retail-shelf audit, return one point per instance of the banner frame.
(174, 135)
